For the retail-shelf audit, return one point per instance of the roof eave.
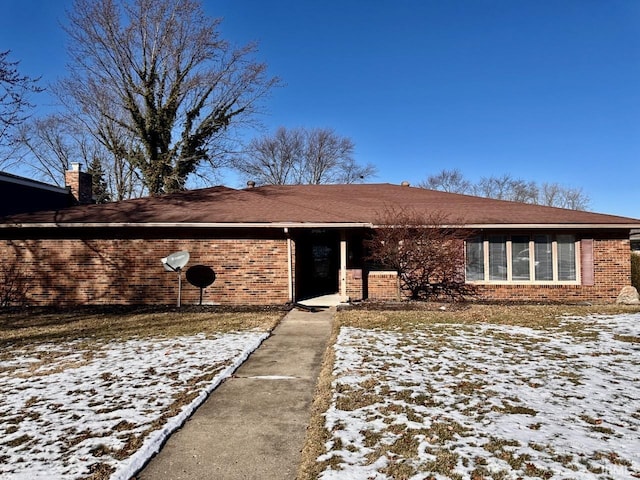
(190, 225)
(553, 226)
(474, 226)
(539, 226)
(27, 182)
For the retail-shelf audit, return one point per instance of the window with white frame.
(522, 258)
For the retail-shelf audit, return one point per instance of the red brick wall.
(612, 271)
(66, 271)
(382, 285)
(117, 271)
(355, 284)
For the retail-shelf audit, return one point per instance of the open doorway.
(317, 263)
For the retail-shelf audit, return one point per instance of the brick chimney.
(80, 184)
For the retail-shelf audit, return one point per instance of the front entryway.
(317, 263)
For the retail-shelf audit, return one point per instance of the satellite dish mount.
(175, 263)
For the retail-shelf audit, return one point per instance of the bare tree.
(352, 172)
(51, 150)
(112, 145)
(276, 159)
(52, 143)
(524, 192)
(325, 153)
(506, 187)
(494, 187)
(427, 251)
(565, 197)
(301, 156)
(159, 71)
(14, 99)
(447, 181)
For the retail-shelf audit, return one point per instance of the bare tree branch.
(427, 251)
(14, 98)
(301, 156)
(54, 142)
(158, 71)
(447, 181)
(506, 187)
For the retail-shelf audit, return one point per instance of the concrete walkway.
(253, 425)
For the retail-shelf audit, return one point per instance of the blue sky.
(541, 90)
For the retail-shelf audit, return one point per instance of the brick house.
(21, 195)
(279, 244)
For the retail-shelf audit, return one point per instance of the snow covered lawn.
(100, 407)
(479, 400)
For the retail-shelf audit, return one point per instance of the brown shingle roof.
(293, 204)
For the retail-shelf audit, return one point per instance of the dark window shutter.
(586, 261)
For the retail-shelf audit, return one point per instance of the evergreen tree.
(99, 189)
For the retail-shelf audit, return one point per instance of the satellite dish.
(176, 261)
(201, 276)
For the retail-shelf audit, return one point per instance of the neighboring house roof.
(308, 205)
(20, 195)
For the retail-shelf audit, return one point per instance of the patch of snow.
(64, 418)
(509, 401)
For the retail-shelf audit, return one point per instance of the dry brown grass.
(29, 328)
(533, 316)
(317, 435)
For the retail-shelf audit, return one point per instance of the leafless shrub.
(13, 285)
(427, 251)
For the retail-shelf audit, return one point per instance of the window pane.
(497, 257)
(475, 259)
(520, 260)
(543, 257)
(566, 257)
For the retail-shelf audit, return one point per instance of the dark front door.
(317, 263)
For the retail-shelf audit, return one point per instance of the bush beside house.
(635, 270)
